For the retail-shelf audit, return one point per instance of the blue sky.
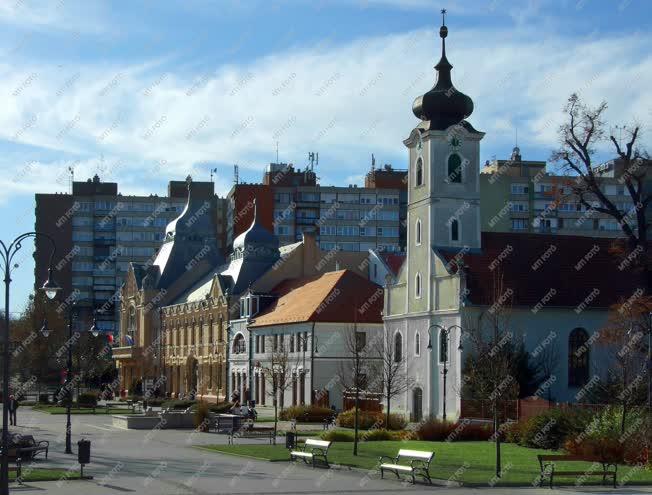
(143, 92)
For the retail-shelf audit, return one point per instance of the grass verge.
(42, 474)
(470, 463)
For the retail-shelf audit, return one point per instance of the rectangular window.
(387, 231)
(347, 230)
(360, 340)
(519, 189)
(519, 224)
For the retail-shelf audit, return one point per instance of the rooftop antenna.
(213, 171)
(236, 178)
(71, 169)
(516, 139)
(373, 162)
(276, 151)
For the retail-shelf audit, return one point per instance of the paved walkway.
(163, 462)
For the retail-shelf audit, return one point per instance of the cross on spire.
(443, 17)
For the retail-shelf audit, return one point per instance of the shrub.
(396, 422)
(44, 398)
(306, 414)
(552, 428)
(436, 430)
(201, 416)
(155, 402)
(337, 436)
(514, 431)
(223, 407)
(602, 440)
(87, 399)
(366, 419)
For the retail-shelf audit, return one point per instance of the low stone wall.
(167, 420)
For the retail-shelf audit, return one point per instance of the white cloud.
(345, 101)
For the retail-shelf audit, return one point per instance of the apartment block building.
(349, 218)
(98, 232)
(521, 196)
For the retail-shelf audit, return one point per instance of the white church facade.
(452, 270)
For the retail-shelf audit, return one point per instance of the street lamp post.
(68, 390)
(446, 335)
(50, 287)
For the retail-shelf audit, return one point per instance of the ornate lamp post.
(51, 288)
(443, 354)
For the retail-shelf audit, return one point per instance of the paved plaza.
(164, 462)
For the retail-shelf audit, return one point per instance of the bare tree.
(579, 137)
(392, 373)
(488, 371)
(625, 380)
(355, 369)
(278, 374)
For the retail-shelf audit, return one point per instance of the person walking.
(13, 406)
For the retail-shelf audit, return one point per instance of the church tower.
(444, 184)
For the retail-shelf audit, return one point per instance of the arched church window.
(418, 232)
(454, 168)
(239, 344)
(417, 285)
(578, 358)
(398, 347)
(455, 230)
(417, 344)
(419, 172)
(131, 324)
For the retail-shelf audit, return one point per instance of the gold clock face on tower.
(454, 142)
(419, 143)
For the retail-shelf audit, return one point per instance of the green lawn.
(74, 410)
(40, 474)
(471, 463)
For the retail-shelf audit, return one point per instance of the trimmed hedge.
(370, 420)
(436, 430)
(306, 414)
(87, 399)
(337, 436)
(178, 404)
(223, 407)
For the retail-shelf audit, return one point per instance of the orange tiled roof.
(337, 297)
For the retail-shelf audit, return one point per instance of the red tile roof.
(554, 270)
(394, 261)
(339, 297)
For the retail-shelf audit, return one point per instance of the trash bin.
(290, 440)
(83, 453)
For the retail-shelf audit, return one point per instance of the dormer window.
(249, 306)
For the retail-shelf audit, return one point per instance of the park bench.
(312, 449)
(419, 464)
(548, 468)
(128, 405)
(250, 431)
(25, 447)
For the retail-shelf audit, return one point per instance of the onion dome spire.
(443, 105)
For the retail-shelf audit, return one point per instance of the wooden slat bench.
(312, 449)
(419, 464)
(548, 468)
(252, 432)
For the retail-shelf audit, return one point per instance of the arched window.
(398, 347)
(454, 168)
(239, 344)
(578, 358)
(417, 344)
(455, 230)
(418, 173)
(418, 232)
(417, 285)
(443, 347)
(131, 324)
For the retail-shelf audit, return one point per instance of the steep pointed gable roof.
(337, 297)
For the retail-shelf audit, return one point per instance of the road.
(163, 462)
